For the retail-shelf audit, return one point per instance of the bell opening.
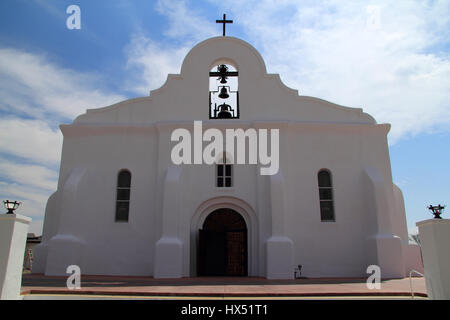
(223, 92)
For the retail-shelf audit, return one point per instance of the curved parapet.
(185, 96)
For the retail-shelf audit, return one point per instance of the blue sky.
(391, 58)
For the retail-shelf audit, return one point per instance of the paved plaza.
(220, 287)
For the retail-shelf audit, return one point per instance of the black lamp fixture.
(436, 210)
(11, 206)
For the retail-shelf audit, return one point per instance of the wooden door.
(222, 247)
(236, 253)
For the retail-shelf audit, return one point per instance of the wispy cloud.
(32, 85)
(185, 22)
(150, 63)
(32, 175)
(36, 96)
(31, 139)
(51, 9)
(33, 200)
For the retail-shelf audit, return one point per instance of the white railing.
(410, 281)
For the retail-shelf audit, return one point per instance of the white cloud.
(30, 139)
(46, 94)
(29, 184)
(184, 21)
(152, 63)
(30, 84)
(33, 175)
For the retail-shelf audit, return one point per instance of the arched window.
(224, 173)
(123, 196)
(326, 196)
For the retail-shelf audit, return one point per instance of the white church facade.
(124, 207)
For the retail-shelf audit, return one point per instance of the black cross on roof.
(224, 21)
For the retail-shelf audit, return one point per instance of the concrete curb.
(212, 294)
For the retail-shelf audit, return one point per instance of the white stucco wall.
(282, 214)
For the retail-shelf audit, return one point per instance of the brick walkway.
(220, 287)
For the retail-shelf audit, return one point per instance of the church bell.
(222, 70)
(223, 93)
(224, 112)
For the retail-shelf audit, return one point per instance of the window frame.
(329, 200)
(123, 201)
(224, 162)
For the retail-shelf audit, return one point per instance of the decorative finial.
(436, 210)
(224, 21)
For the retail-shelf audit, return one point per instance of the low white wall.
(13, 237)
(434, 238)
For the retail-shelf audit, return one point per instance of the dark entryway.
(223, 245)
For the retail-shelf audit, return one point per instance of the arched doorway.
(223, 244)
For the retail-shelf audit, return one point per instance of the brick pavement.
(220, 287)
